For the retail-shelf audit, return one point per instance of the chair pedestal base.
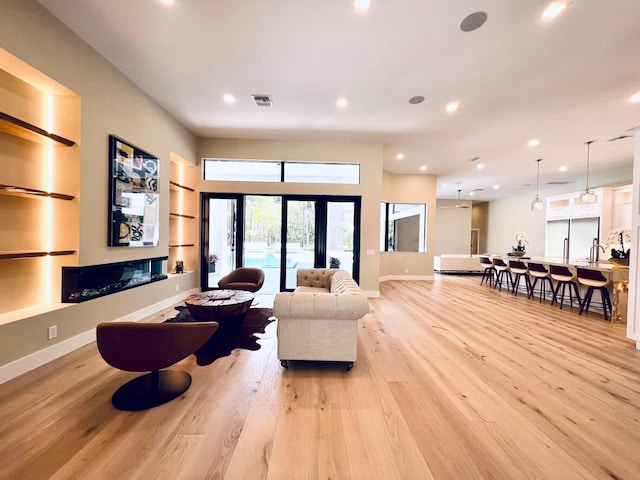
(151, 390)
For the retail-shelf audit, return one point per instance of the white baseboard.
(34, 360)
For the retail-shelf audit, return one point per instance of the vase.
(517, 253)
(619, 262)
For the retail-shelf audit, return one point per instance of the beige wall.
(453, 228)
(368, 155)
(110, 103)
(409, 189)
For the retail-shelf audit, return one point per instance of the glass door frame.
(320, 257)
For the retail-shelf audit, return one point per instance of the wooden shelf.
(173, 245)
(177, 186)
(18, 191)
(181, 215)
(20, 128)
(33, 254)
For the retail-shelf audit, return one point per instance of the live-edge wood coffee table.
(219, 305)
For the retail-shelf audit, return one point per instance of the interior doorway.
(475, 239)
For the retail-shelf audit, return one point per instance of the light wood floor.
(453, 381)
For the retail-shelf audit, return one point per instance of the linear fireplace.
(85, 283)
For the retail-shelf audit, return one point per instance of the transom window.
(280, 172)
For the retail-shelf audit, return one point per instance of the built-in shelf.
(177, 186)
(174, 245)
(18, 191)
(181, 215)
(33, 254)
(20, 128)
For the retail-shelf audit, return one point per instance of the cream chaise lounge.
(319, 320)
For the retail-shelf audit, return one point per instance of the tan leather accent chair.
(243, 278)
(150, 347)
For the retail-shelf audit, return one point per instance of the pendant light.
(538, 203)
(588, 196)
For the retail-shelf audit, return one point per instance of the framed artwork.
(134, 200)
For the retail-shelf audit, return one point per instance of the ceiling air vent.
(262, 100)
(556, 183)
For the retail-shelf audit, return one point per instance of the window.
(322, 173)
(241, 171)
(277, 172)
(402, 227)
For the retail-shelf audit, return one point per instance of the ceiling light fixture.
(400, 156)
(452, 107)
(480, 166)
(342, 102)
(228, 98)
(423, 168)
(496, 187)
(534, 142)
(635, 98)
(538, 204)
(563, 169)
(554, 9)
(361, 5)
(588, 196)
(168, 3)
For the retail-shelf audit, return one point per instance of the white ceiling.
(516, 78)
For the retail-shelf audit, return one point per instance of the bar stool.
(489, 270)
(521, 270)
(502, 269)
(539, 272)
(594, 280)
(563, 276)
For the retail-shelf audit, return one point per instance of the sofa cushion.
(314, 277)
(305, 289)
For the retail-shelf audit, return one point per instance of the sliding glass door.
(278, 234)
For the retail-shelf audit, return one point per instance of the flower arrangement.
(213, 258)
(616, 238)
(522, 239)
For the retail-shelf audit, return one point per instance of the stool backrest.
(589, 274)
(517, 264)
(498, 262)
(560, 270)
(537, 267)
(486, 261)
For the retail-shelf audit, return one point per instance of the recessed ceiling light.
(168, 3)
(534, 142)
(563, 169)
(416, 100)
(635, 98)
(361, 5)
(554, 9)
(423, 168)
(473, 22)
(452, 107)
(496, 187)
(444, 185)
(228, 98)
(480, 166)
(342, 102)
(471, 194)
(400, 156)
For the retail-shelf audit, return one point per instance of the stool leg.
(535, 280)
(575, 288)
(587, 300)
